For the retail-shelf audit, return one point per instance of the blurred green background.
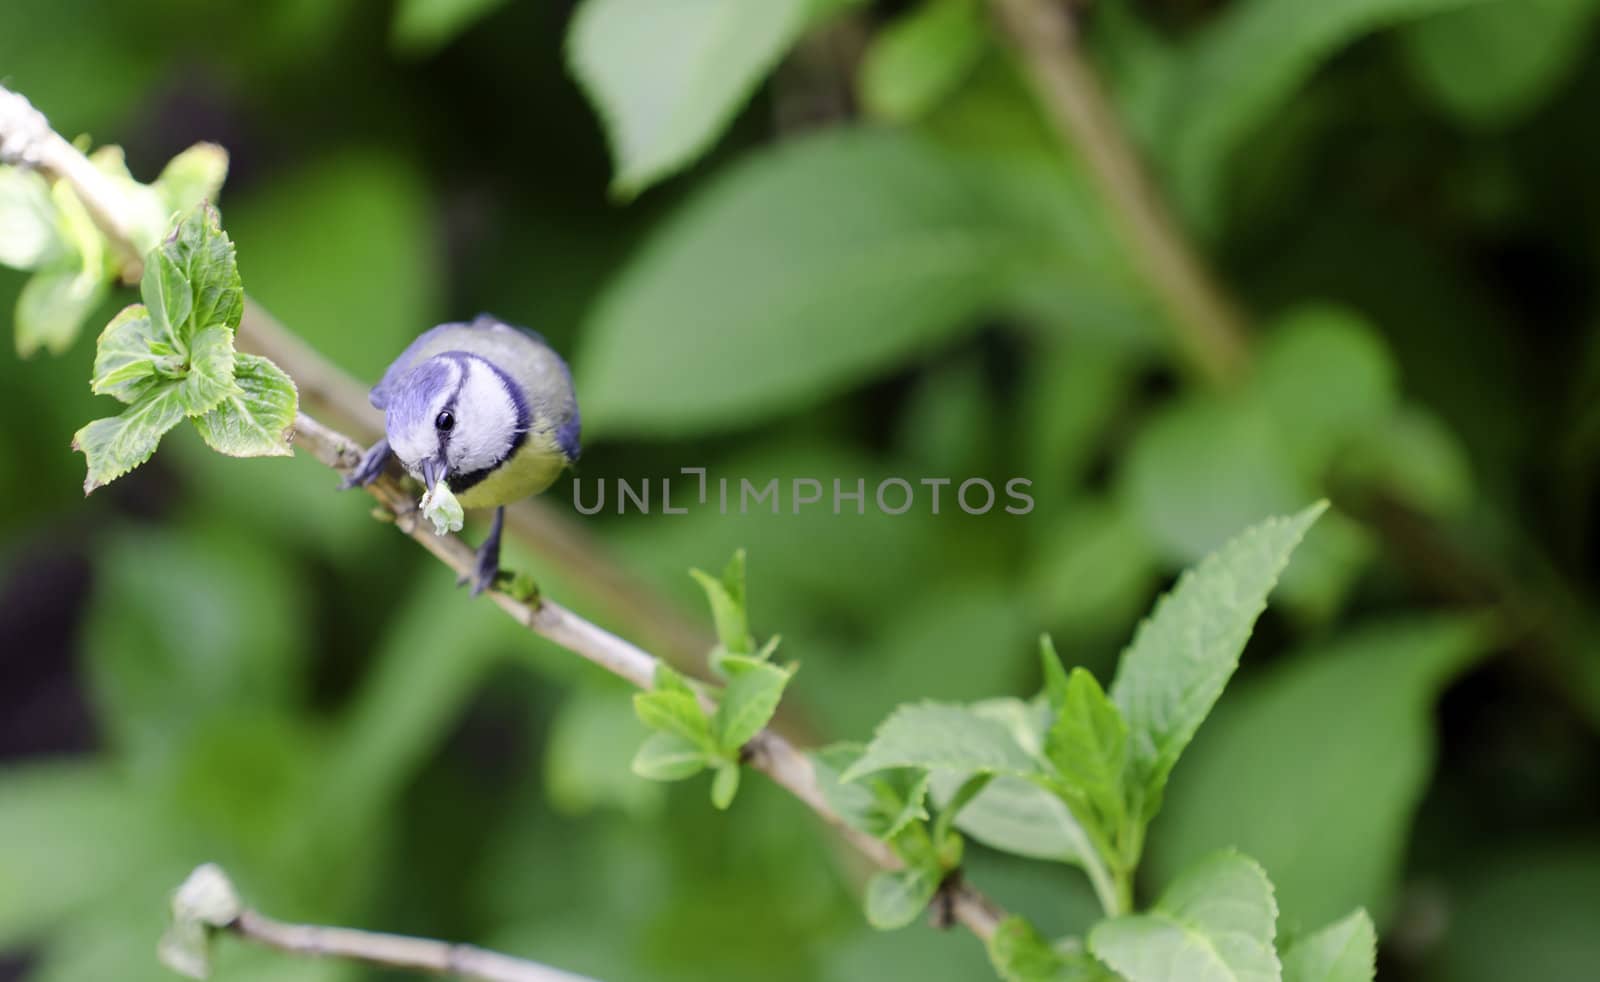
(887, 266)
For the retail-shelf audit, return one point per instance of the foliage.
(172, 358)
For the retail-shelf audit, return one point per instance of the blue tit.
(486, 408)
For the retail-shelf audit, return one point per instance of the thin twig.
(769, 752)
(394, 951)
(1211, 332)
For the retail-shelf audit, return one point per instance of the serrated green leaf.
(918, 60)
(726, 594)
(257, 418)
(166, 293)
(669, 757)
(747, 703)
(1271, 770)
(912, 241)
(1184, 654)
(1019, 954)
(1345, 951)
(192, 178)
(1213, 924)
(424, 26)
(669, 680)
(941, 737)
(1245, 65)
(724, 786)
(882, 805)
(52, 307)
(1492, 64)
(666, 79)
(895, 898)
(210, 376)
(116, 445)
(192, 282)
(29, 238)
(129, 357)
(1055, 674)
(676, 712)
(1088, 744)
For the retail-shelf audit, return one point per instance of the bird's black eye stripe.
(445, 421)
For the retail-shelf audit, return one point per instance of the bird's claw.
(484, 575)
(369, 468)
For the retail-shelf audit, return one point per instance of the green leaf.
(1014, 815)
(424, 26)
(192, 282)
(52, 307)
(727, 598)
(1346, 951)
(908, 240)
(1019, 954)
(1271, 773)
(895, 898)
(1492, 64)
(1242, 68)
(211, 370)
(1215, 923)
(942, 737)
(881, 805)
(28, 233)
(667, 79)
(192, 178)
(917, 61)
(1088, 744)
(166, 293)
(1325, 376)
(128, 358)
(669, 757)
(724, 785)
(256, 419)
(747, 702)
(672, 707)
(1184, 654)
(116, 445)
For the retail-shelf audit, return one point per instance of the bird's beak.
(432, 471)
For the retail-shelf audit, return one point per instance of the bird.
(484, 408)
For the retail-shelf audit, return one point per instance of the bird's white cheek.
(486, 422)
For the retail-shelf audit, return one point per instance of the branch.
(769, 752)
(1211, 332)
(207, 903)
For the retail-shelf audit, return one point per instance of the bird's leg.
(372, 464)
(488, 556)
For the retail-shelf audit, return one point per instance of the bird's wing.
(446, 337)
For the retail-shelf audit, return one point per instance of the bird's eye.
(445, 421)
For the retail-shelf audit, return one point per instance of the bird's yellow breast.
(533, 467)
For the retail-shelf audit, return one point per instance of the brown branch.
(1211, 332)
